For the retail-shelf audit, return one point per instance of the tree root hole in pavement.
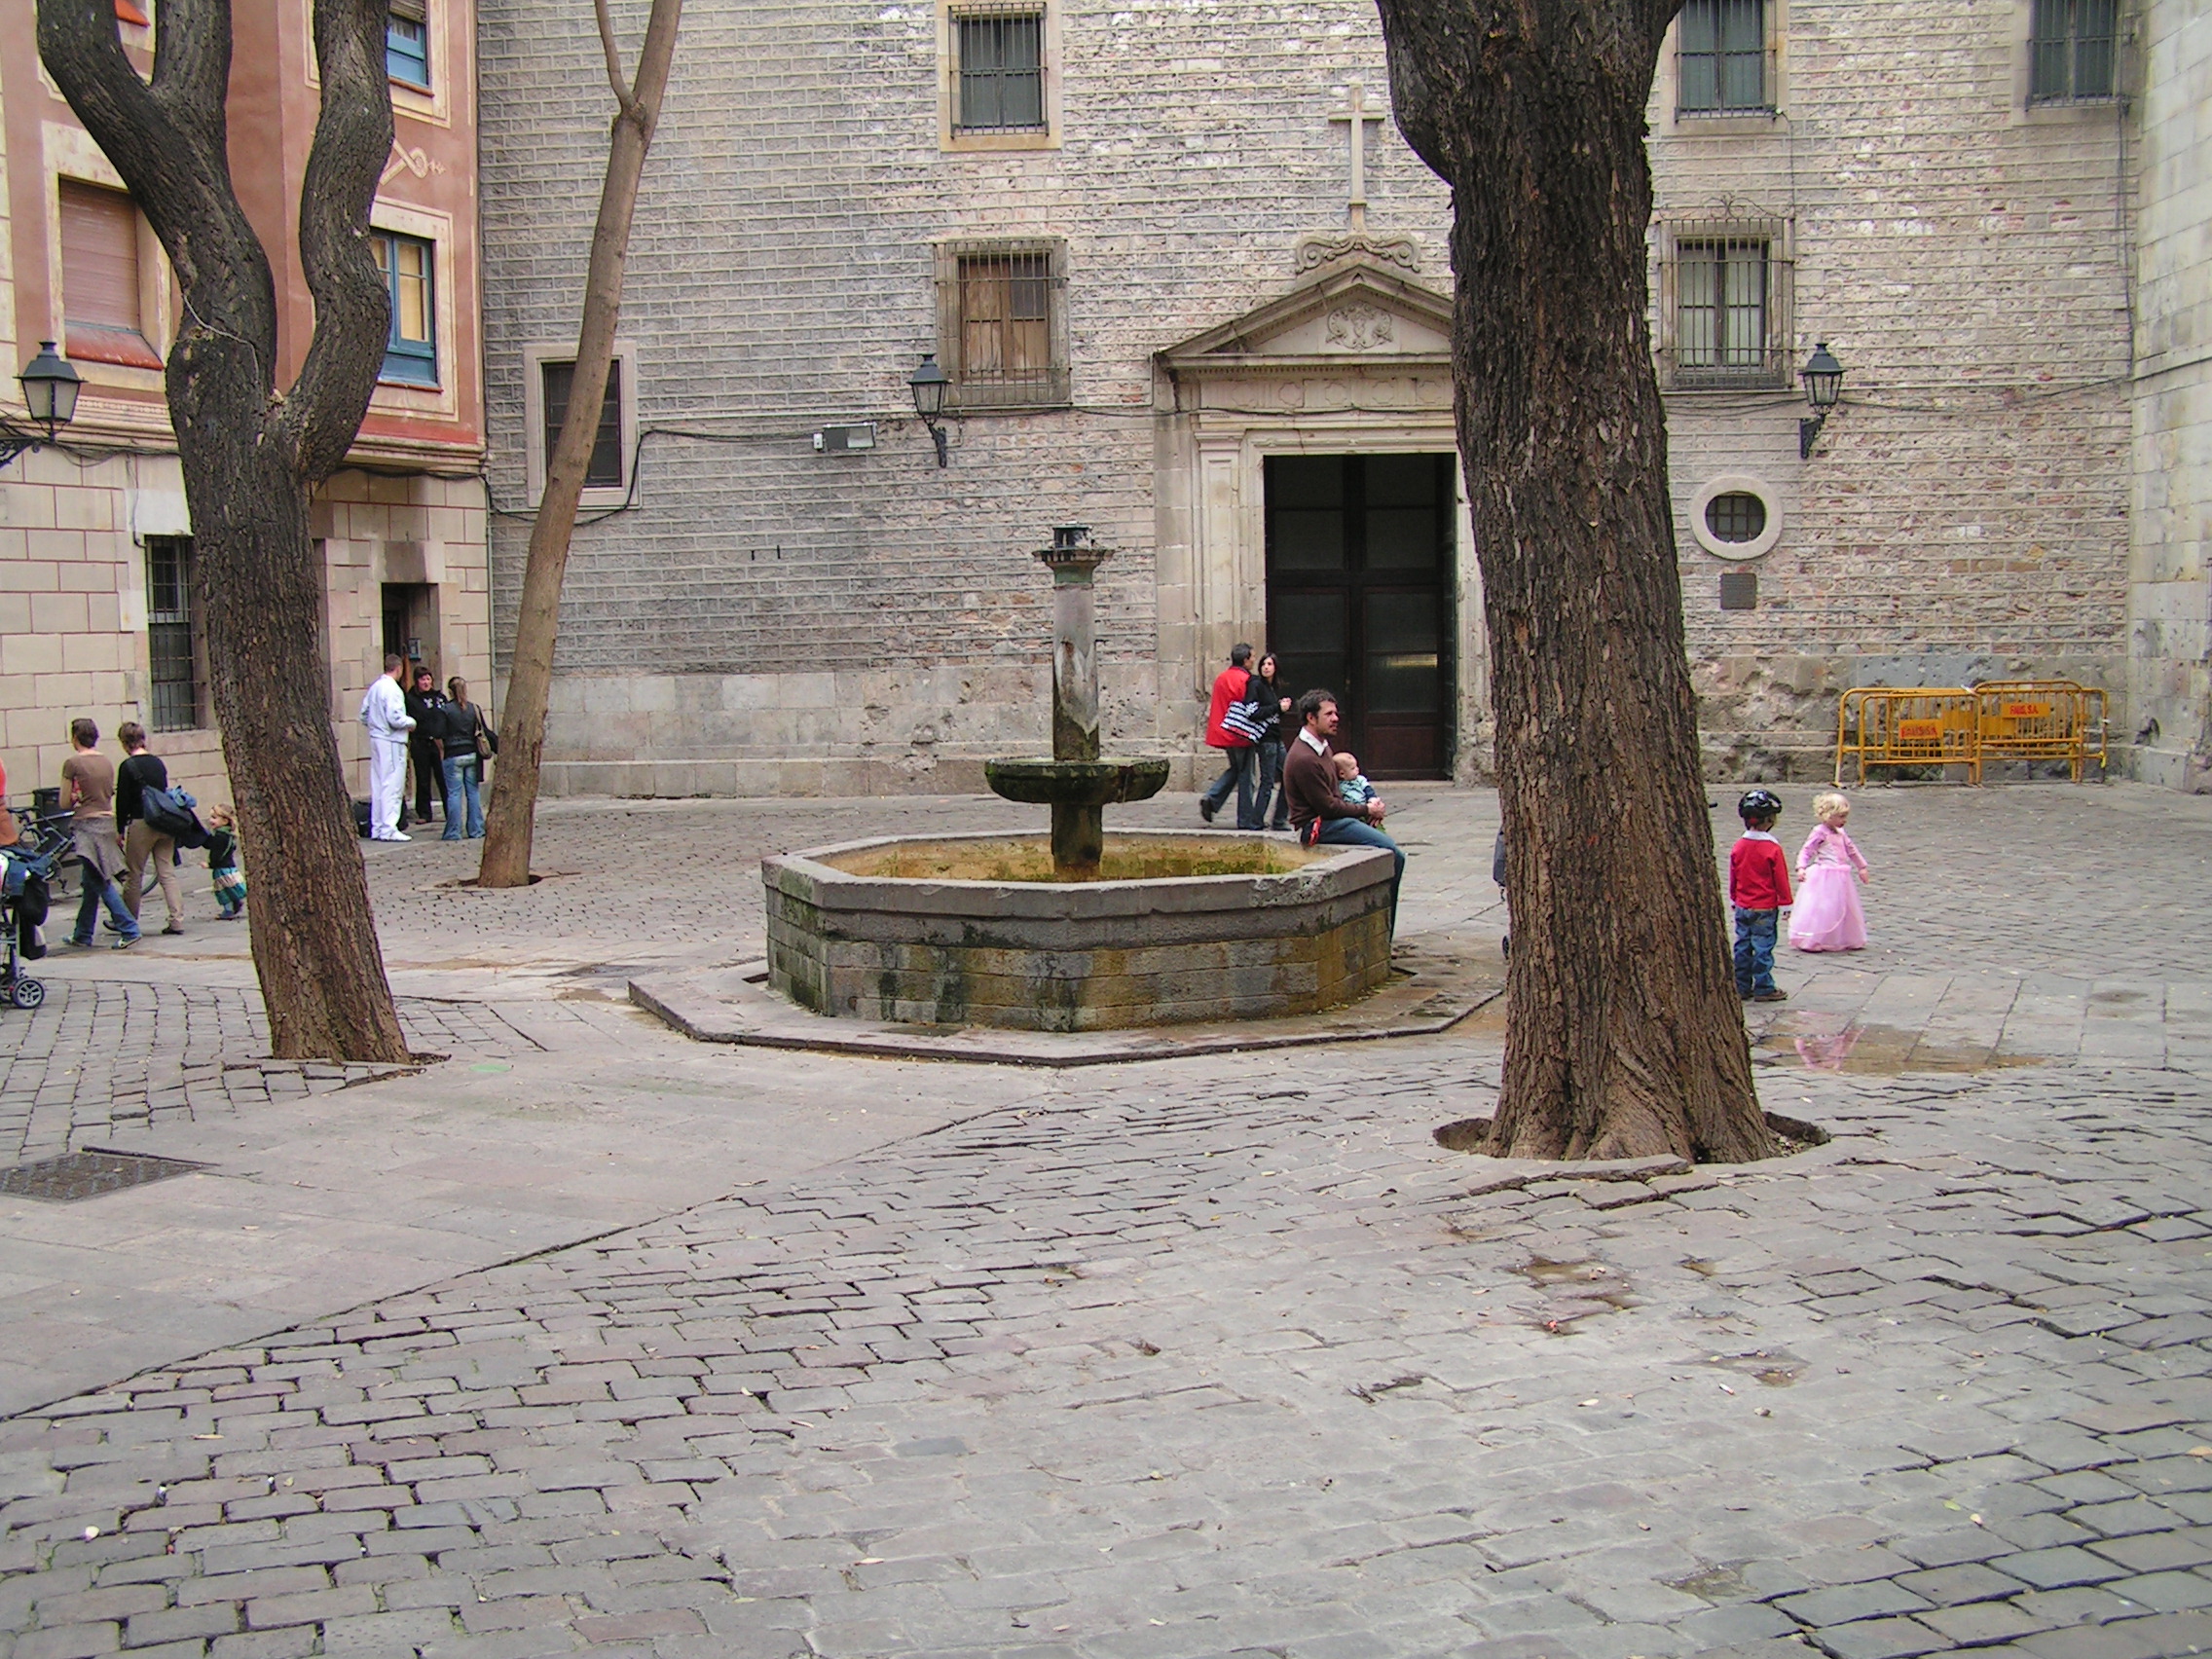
(1791, 1136)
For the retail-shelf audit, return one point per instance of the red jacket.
(1759, 875)
(1227, 687)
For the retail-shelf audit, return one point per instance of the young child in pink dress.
(1830, 870)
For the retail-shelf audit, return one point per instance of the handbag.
(487, 740)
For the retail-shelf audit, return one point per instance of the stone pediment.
(1348, 314)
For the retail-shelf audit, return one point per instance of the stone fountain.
(1075, 783)
(1077, 932)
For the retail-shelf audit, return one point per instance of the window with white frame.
(409, 267)
(1724, 303)
(1721, 65)
(2074, 51)
(1003, 323)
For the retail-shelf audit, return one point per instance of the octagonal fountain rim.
(1324, 873)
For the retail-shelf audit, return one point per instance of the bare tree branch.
(352, 139)
(625, 98)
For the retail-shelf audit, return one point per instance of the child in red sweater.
(1758, 887)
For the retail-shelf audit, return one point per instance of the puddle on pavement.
(1827, 1043)
(1715, 1584)
(1775, 1368)
(1579, 1291)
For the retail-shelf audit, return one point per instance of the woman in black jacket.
(1266, 691)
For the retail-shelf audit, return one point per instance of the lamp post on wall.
(50, 391)
(928, 385)
(1822, 376)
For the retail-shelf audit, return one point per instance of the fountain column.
(1079, 829)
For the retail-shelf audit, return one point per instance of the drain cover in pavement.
(88, 1174)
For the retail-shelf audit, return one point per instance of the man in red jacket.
(1239, 751)
(1759, 886)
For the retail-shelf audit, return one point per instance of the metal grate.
(1725, 285)
(1002, 70)
(1736, 516)
(1006, 330)
(88, 1174)
(1723, 62)
(174, 705)
(2075, 49)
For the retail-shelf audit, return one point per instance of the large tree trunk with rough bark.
(252, 455)
(510, 821)
(1624, 1035)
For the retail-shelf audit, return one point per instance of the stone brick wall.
(2170, 601)
(1965, 513)
(765, 618)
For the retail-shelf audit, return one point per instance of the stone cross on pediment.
(1355, 115)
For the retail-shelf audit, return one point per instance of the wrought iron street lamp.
(50, 391)
(928, 385)
(1822, 376)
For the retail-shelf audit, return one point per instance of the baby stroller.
(25, 870)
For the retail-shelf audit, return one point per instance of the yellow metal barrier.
(1881, 726)
(2043, 720)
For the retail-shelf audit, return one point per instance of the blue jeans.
(1238, 775)
(99, 889)
(1358, 832)
(1754, 950)
(1270, 789)
(460, 785)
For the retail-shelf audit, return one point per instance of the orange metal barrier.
(2043, 720)
(1881, 726)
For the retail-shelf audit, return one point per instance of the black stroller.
(26, 869)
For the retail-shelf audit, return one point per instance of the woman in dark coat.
(1270, 695)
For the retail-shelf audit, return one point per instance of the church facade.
(1190, 288)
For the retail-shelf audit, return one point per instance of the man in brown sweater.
(1317, 812)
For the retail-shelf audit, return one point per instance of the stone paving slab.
(1437, 981)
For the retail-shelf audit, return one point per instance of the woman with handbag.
(469, 741)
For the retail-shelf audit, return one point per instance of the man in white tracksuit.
(383, 710)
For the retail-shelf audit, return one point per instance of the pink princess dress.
(1827, 917)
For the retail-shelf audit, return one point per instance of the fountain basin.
(1303, 930)
(1076, 782)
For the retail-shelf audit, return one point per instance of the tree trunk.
(510, 819)
(252, 456)
(1624, 1035)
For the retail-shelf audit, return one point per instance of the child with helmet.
(1758, 887)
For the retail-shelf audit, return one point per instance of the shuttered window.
(100, 277)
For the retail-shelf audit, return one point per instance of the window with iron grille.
(1002, 327)
(1721, 58)
(999, 69)
(175, 700)
(2075, 48)
(603, 470)
(1724, 296)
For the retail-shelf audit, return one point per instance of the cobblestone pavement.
(1226, 1356)
(102, 1058)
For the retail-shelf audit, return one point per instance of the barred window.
(1000, 78)
(603, 470)
(2075, 48)
(1721, 62)
(1725, 291)
(175, 701)
(1003, 329)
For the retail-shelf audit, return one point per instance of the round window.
(1737, 516)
